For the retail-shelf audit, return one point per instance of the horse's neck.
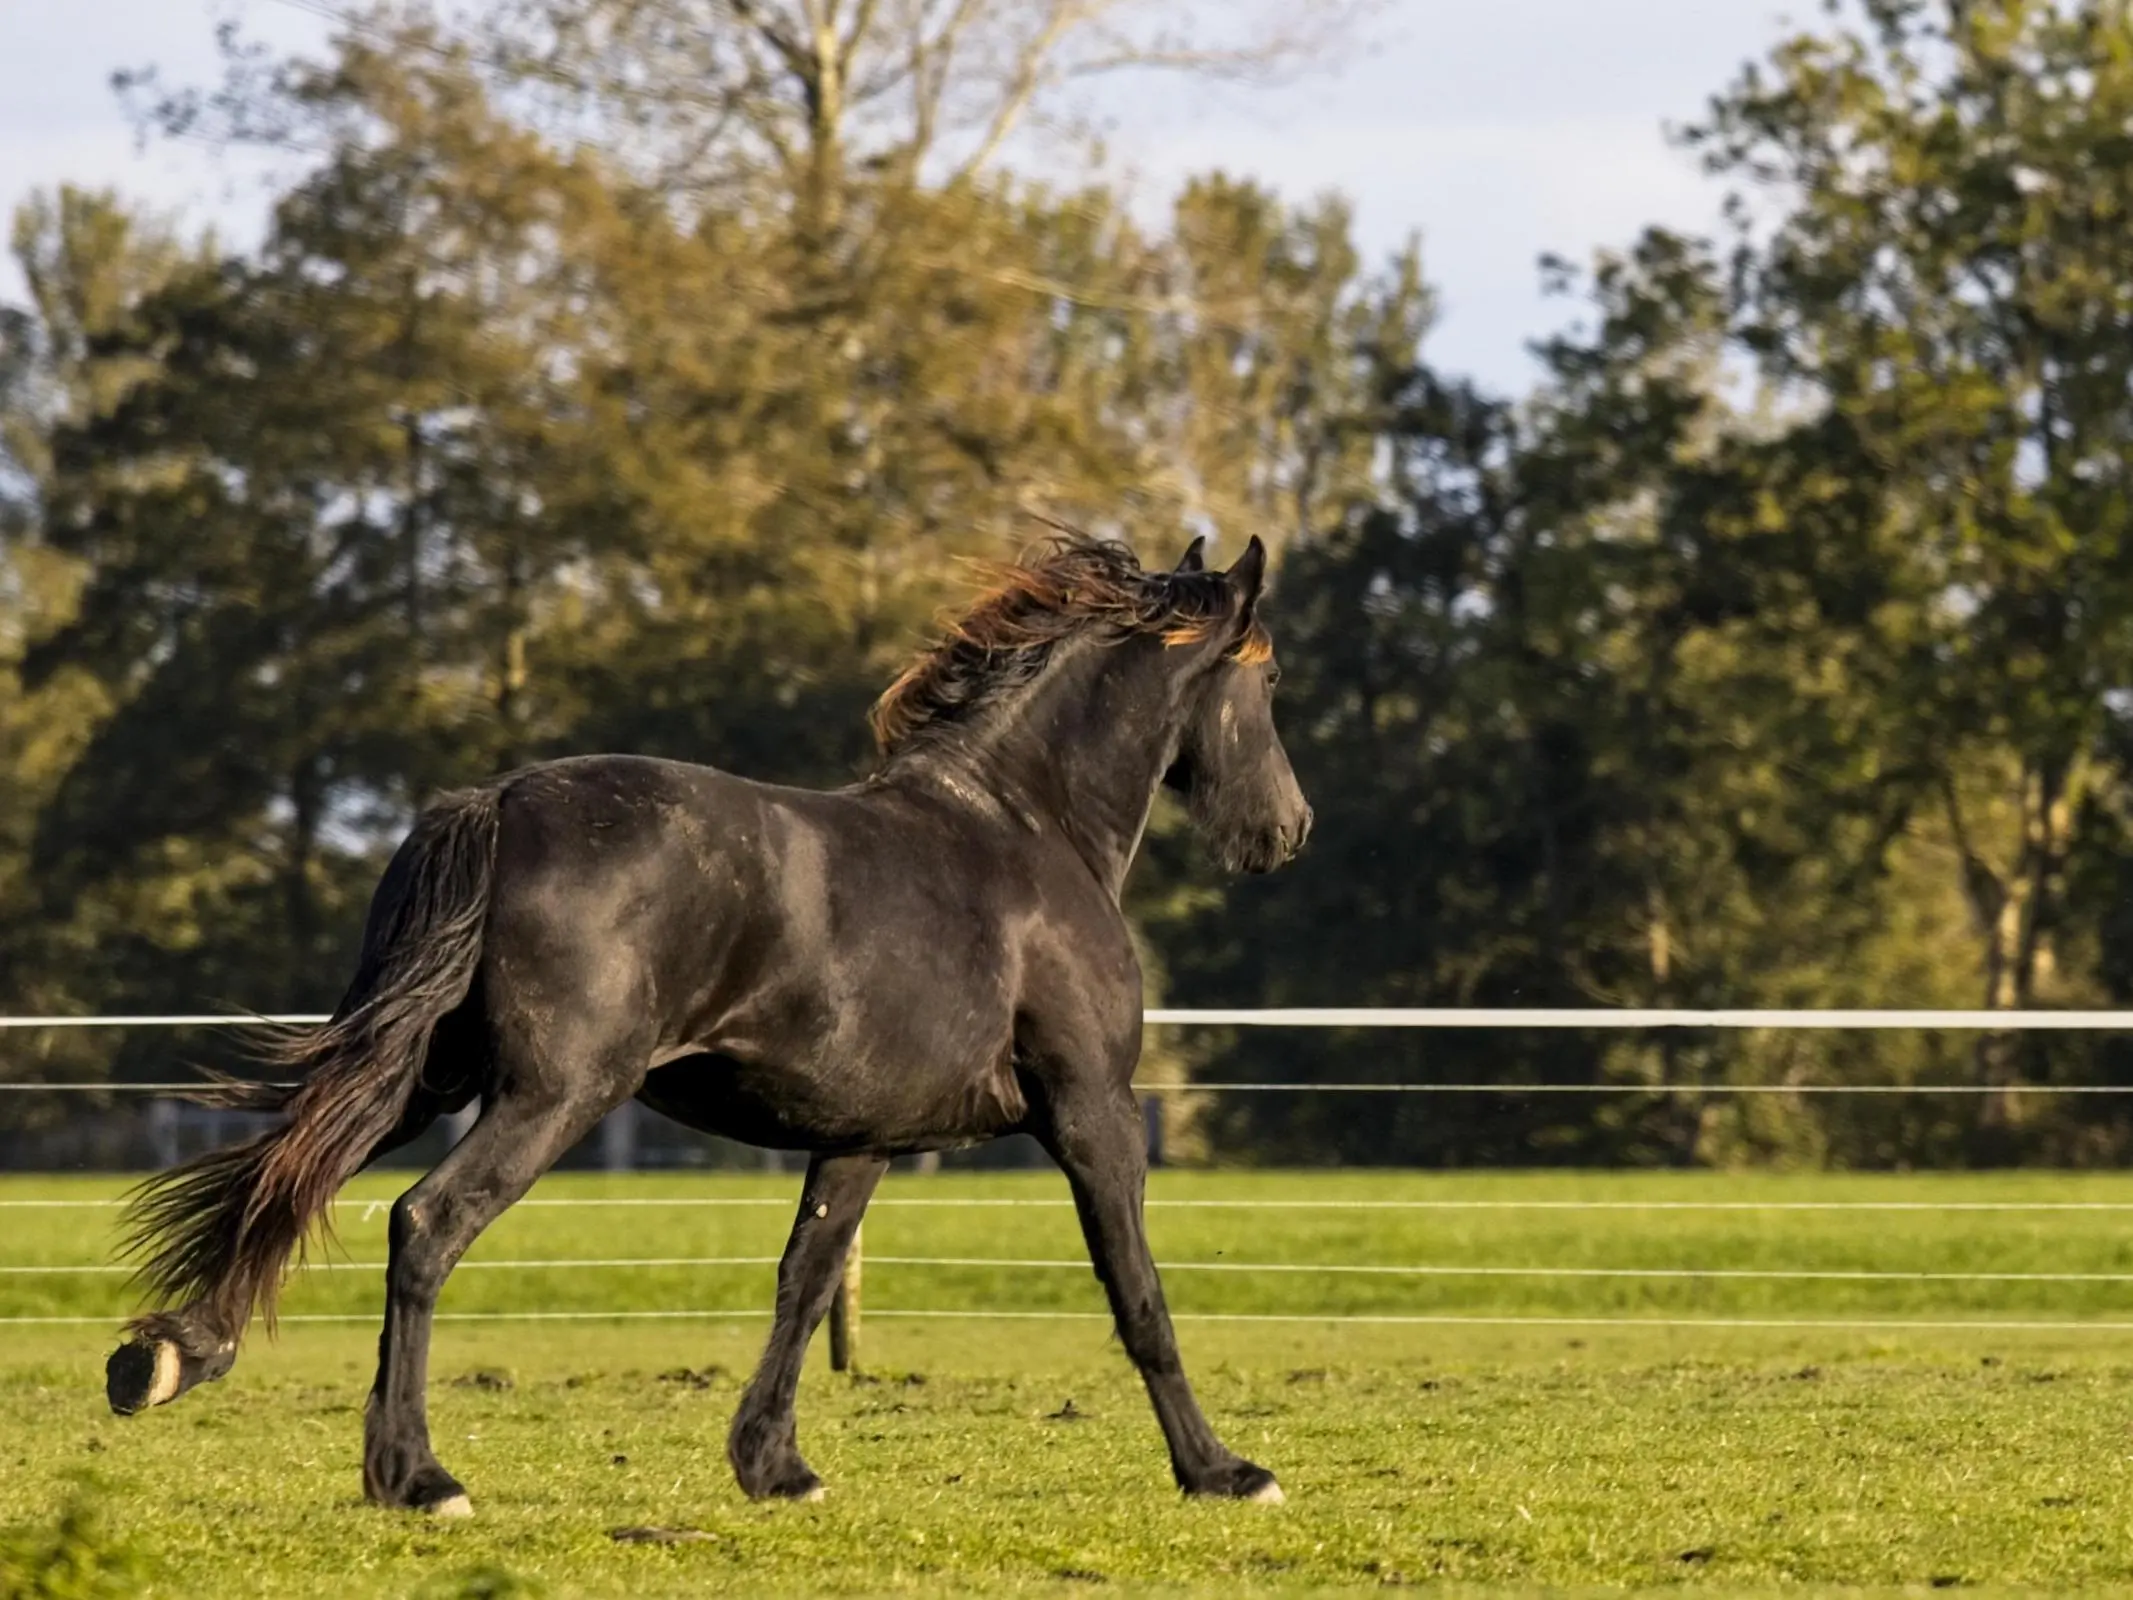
(1082, 751)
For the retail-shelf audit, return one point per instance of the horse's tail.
(216, 1234)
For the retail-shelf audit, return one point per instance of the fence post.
(456, 1123)
(618, 1138)
(844, 1312)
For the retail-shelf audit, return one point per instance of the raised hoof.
(163, 1356)
(142, 1373)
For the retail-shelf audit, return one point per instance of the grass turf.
(1020, 1455)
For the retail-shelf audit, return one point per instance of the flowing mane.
(1070, 585)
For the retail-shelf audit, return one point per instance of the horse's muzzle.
(1294, 836)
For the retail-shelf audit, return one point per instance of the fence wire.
(1557, 1018)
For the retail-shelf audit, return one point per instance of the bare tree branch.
(795, 55)
(1027, 79)
(881, 78)
(780, 97)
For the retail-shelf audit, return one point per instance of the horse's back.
(830, 939)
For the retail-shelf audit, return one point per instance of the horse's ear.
(1249, 574)
(1194, 558)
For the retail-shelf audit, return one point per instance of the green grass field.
(1518, 1432)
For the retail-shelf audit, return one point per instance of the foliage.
(1772, 654)
(638, 376)
(74, 1558)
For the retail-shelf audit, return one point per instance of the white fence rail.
(1629, 1018)
(845, 1323)
(1388, 1017)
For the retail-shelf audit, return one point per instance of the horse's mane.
(1070, 585)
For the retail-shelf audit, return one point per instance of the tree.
(1948, 282)
(89, 263)
(1803, 678)
(491, 454)
(728, 96)
(1946, 285)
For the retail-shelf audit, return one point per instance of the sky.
(1497, 130)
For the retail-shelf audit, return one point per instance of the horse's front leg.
(1096, 1136)
(764, 1444)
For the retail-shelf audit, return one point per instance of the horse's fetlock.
(400, 1472)
(764, 1450)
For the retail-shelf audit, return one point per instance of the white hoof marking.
(1269, 1495)
(458, 1506)
(814, 1494)
(164, 1387)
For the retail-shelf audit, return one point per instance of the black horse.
(928, 959)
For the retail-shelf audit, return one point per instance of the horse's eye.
(1273, 679)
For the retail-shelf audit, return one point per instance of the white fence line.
(198, 1085)
(1292, 1268)
(1989, 1325)
(214, 1019)
(1335, 1017)
(375, 1209)
(1381, 1017)
(1390, 1017)
(1631, 1017)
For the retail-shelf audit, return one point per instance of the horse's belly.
(786, 1109)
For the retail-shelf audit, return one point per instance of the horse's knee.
(417, 1271)
(164, 1355)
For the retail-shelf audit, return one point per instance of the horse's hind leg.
(764, 1443)
(530, 1118)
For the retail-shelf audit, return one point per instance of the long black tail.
(216, 1234)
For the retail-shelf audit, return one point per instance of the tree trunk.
(307, 807)
(511, 673)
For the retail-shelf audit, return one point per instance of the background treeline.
(628, 374)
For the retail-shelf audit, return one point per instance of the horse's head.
(1230, 766)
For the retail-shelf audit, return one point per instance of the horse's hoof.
(142, 1373)
(457, 1505)
(1241, 1480)
(802, 1487)
(791, 1479)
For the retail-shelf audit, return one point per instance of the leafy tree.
(491, 453)
(1949, 285)
(1949, 288)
